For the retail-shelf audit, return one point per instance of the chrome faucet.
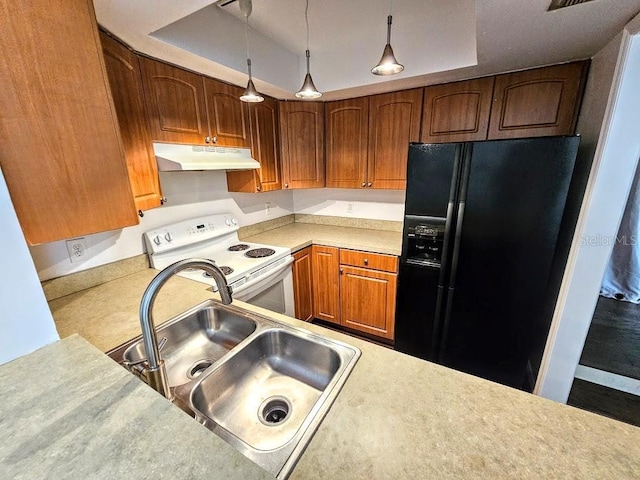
(156, 371)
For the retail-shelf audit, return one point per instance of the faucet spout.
(156, 370)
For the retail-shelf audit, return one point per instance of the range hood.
(172, 157)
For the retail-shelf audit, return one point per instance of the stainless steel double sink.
(262, 386)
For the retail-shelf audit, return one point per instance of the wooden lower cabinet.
(351, 288)
(326, 264)
(368, 300)
(303, 284)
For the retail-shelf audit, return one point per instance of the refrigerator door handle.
(462, 198)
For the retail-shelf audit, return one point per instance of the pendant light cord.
(306, 19)
(246, 34)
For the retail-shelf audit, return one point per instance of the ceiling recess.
(556, 4)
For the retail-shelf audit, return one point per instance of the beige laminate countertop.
(299, 235)
(396, 417)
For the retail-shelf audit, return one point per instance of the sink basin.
(260, 385)
(268, 396)
(195, 340)
(265, 393)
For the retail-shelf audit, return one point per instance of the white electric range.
(258, 274)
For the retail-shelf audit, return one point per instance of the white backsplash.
(358, 203)
(191, 194)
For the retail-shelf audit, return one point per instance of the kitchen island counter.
(396, 417)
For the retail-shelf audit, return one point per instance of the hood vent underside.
(172, 157)
(556, 4)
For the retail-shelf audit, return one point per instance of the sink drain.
(199, 367)
(274, 411)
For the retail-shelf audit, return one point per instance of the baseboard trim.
(608, 379)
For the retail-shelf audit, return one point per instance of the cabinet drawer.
(375, 261)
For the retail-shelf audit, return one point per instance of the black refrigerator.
(487, 229)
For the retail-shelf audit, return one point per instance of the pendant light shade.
(308, 91)
(388, 65)
(250, 94)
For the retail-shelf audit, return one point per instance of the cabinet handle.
(364, 184)
(210, 139)
(366, 261)
(140, 213)
(258, 188)
(341, 271)
(207, 139)
(286, 185)
(163, 200)
(369, 184)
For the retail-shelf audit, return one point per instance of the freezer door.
(512, 199)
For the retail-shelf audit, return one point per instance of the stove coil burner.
(259, 252)
(226, 270)
(238, 248)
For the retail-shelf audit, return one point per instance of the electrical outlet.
(268, 208)
(349, 207)
(77, 249)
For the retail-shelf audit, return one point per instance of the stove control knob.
(157, 240)
(168, 237)
(234, 221)
(228, 222)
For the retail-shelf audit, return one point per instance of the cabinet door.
(457, 112)
(368, 300)
(536, 103)
(60, 147)
(228, 118)
(175, 103)
(123, 70)
(394, 121)
(302, 138)
(326, 266)
(264, 139)
(303, 284)
(347, 124)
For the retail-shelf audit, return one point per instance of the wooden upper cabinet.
(128, 97)
(265, 149)
(60, 147)
(176, 103)
(347, 124)
(326, 292)
(457, 112)
(302, 142)
(540, 102)
(228, 118)
(394, 121)
(303, 284)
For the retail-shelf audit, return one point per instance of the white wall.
(25, 321)
(189, 194)
(616, 157)
(361, 203)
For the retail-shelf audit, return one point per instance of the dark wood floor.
(613, 342)
(605, 401)
(612, 345)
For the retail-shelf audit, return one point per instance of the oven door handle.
(263, 278)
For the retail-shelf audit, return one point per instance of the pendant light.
(250, 94)
(308, 91)
(388, 65)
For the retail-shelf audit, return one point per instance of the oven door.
(273, 290)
